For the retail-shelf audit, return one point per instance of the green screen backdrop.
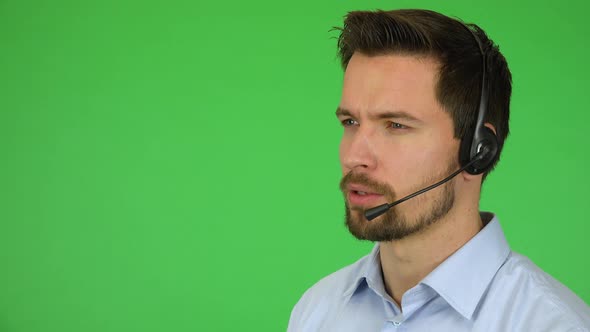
(173, 165)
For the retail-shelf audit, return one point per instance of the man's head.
(411, 93)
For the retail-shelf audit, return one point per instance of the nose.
(357, 150)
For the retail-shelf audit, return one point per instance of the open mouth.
(359, 197)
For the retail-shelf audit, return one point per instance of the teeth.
(361, 192)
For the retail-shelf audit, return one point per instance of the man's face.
(397, 140)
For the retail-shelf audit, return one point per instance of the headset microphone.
(375, 212)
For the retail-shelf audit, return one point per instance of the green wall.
(173, 165)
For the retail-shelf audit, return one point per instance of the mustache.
(365, 180)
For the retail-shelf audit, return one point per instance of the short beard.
(392, 225)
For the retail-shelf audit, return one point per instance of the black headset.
(481, 142)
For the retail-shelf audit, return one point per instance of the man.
(414, 81)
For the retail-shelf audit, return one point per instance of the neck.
(407, 261)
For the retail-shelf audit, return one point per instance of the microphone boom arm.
(375, 212)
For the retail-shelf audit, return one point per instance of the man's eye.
(395, 125)
(348, 122)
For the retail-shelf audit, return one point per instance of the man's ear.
(491, 126)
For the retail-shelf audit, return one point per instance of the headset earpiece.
(483, 146)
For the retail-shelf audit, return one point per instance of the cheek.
(411, 160)
(400, 162)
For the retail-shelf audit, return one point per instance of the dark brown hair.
(428, 33)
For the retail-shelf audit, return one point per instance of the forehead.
(392, 81)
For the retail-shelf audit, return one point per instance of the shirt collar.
(462, 279)
(369, 272)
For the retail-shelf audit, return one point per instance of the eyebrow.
(381, 115)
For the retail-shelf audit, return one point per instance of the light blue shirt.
(484, 286)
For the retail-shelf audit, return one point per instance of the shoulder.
(533, 297)
(325, 296)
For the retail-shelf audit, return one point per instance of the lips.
(362, 195)
(361, 188)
